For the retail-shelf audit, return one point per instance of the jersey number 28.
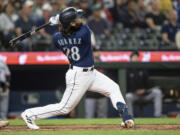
(72, 53)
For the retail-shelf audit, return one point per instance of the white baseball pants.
(77, 83)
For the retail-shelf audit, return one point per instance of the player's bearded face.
(72, 28)
(76, 27)
(78, 24)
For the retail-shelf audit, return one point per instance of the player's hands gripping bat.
(54, 20)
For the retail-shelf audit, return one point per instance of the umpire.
(4, 89)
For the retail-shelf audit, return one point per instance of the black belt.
(84, 69)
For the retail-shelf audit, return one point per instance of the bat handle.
(40, 27)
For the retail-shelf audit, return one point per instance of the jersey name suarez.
(76, 47)
(66, 41)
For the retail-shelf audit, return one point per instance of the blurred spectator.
(108, 4)
(54, 5)
(106, 14)
(148, 4)
(137, 88)
(178, 11)
(96, 105)
(6, 23)
(2, 40)
(176, 4)
(1, 33)
(165, 6)
(155, 18)
(96, 23)
(38, 7)
(25, 23)
(116, 10)
(178, 40)
(16, 4)
(74, 3)
(47, 13)
(170, 29)
(47, 32)
(84, 5)
(1, 4)
(129, 17)
(4, 89)
(141, 10)
(37, 10)
(62, 4)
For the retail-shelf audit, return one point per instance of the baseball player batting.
(74, 39)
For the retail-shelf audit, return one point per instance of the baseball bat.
(27, 34)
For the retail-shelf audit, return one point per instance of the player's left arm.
(93, 40)
(86, 34)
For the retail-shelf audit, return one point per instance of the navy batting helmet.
(68, 15)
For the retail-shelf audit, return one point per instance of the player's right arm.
(55, 40)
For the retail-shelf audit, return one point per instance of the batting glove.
(54, 20)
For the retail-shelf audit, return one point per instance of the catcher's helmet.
(68, 15)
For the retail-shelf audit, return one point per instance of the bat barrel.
(27, 34)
